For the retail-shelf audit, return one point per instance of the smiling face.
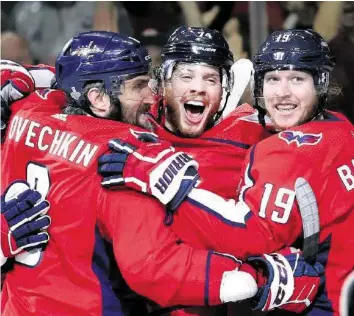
(290, 97)
(193, 96)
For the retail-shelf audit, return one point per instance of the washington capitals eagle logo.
(300, 138)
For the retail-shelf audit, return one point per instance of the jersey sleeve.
(264, 218)
(268, 192)
(153, 261)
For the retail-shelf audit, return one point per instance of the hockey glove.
(150, 165)
(23, 220)
(292, 283)
(16, 83)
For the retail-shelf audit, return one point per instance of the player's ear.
(99, 101)
(94, 96)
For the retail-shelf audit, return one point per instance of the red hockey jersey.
(220, 152)
(266, 218)
(57, 155)
(222, 149)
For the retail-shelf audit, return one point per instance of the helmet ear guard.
(226, 84)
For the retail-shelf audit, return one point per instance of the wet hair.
(72, 107)
(334, 90)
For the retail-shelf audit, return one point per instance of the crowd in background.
(35, 31)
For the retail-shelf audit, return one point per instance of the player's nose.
(149, 98)
(283, 89)
(197, 86)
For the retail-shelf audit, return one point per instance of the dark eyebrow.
(184, 69)
(209, 74)
(270, 73)
(137, 81)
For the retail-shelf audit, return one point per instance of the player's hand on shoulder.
(24, 221)
(292, 283)
(150, 165)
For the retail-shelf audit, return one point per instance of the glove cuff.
(188, 183)
(280, 285)
(236, 286)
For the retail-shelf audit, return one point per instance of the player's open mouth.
(285, 108)
(194, 110)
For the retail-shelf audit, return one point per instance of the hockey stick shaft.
(310, 218)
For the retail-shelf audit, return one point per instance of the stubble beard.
(136, 118)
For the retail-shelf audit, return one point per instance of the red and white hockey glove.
(292, 283)
(150, 165)
(16, 83)
(23, 220)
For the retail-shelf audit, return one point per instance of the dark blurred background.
(35, 31)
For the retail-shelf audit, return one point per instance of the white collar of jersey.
(254, 118)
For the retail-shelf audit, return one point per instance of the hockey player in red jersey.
(57, 159)
(197, 80)
(196, 88)
(291, 81)
(57, 154)
(25, 226)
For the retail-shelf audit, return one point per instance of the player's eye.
(140, 85)
(297, 79)
(212, 80)
(272, 79)
(186, 77)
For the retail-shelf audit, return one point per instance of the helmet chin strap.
(165, 73)
(226, 87)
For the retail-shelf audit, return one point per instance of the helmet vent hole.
(135, 58)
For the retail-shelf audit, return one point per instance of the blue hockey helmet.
(303, 50)
(99, 56)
